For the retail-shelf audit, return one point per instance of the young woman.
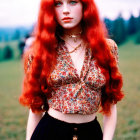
(71, 70)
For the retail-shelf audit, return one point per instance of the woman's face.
(68, 13)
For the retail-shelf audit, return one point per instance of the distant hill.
(13, 33)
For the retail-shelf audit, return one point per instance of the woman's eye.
(58, 3)
(73, 2)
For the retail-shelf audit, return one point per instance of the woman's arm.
(109, 123)
(33, 120)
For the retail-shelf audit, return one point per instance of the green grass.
(128, 127)
(13, 117)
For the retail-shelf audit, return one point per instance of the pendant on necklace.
(75, 37)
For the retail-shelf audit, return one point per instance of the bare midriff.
(71, 118)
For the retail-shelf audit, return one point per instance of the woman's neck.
(77, 31)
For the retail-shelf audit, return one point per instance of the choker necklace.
(75, 48)
(74, 36)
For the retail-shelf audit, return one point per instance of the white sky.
(24, 12)
(111, 8)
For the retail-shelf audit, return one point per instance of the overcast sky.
(24, 12)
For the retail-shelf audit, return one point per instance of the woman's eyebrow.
(57, 0)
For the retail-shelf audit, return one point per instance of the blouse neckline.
(69, 60)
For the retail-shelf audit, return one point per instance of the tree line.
(120, 29)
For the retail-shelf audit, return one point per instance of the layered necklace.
(74, 36)
(75, 48)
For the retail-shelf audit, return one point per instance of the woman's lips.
(67, 19)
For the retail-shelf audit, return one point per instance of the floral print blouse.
(72, 93)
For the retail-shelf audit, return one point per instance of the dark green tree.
(109, 26)
(132, 25)
(119, 30)
(138, 22)
(8, 52)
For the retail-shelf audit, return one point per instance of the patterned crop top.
(74, 94)
(70, 92)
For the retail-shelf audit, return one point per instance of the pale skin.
(68, 8)
(109, 123)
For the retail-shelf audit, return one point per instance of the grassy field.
(13, 116)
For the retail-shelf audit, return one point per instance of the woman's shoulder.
(113, 48)
(111, 43)
(28, 59)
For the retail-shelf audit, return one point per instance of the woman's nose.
(66, 9)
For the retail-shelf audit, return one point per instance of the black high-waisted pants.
(50, 128)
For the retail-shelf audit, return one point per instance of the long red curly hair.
(35, 85)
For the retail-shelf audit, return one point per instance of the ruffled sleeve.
(114, 49)
(28, 59)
